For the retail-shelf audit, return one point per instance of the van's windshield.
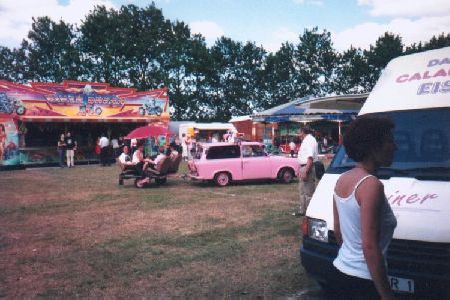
(423, 145)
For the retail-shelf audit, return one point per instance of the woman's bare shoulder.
(371, 190)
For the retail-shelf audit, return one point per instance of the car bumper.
(195, 177)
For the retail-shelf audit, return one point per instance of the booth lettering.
(79, 98)
(439, 79)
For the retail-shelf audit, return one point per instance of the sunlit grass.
(77, 233)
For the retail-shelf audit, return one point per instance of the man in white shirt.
(115, 146)
(104, 144)
(125, 158)
(307, 155)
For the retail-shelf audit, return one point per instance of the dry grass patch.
(76, 233)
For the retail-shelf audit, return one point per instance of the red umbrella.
(148, 131)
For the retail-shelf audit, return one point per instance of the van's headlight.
(317, 229)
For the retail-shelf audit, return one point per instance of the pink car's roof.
(208, 145)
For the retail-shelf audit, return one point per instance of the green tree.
(386, 48)
(440, 41)
(14, 63)
(235, 85)
(6, 64)
(314, 62)
(145, 40)
(352, 73)
(102, 43)
(200, 65)
(52, 55)
(414, 48)
(279, 73)
(179, 68)
(21, 69)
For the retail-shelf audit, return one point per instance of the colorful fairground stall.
(32, 117)
(327, 116)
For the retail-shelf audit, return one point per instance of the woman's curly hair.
(365, 134)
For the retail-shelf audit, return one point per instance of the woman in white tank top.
(363, 219)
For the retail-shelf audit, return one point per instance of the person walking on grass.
(307, 155)
(71, 146)
(61, 149)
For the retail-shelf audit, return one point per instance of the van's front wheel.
(222, 179)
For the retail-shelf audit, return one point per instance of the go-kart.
(166, 167)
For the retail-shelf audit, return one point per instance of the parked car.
(225, 162)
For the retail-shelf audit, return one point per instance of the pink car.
(225, 162)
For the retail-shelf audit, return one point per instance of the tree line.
(140, 48)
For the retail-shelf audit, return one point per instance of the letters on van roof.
(416, 81)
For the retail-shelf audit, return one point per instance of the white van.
(414, 91)
(200, 128)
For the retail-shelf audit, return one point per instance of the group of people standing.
(67, 146)
(107, 149)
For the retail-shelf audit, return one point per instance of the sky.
(268, 23)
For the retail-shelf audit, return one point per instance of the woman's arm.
(149, 160)
(337, 226)
(370, 196)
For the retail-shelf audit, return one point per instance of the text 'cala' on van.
(414, 92)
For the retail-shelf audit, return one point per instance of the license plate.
(401, 284)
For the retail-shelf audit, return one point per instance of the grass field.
(76, 233)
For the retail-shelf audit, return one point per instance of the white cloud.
(211, 31)
(407, 8)
(315, 2)
(279, 36)
(411, 31)
(16, 15)
(310, 2)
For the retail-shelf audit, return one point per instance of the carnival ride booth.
(35, 116)
(327, 116)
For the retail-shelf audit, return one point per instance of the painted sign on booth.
(82, 100)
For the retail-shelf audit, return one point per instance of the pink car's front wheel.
(222, 179)
(286, 175)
